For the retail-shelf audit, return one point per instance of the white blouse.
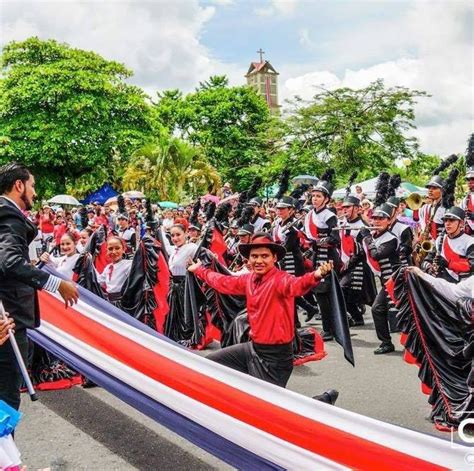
(64, 264)
(178, 256)
(114, 275)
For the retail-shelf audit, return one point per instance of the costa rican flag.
(242, 420)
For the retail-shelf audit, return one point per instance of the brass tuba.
(414, 201)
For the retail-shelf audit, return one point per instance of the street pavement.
(90, 429)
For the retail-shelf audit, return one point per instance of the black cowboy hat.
(259, 240)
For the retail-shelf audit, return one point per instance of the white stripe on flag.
(251, 438)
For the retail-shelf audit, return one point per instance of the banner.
(242, 420)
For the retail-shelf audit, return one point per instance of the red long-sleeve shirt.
(270, 300)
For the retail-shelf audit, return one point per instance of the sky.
(423, 45)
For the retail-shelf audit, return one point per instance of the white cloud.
(440, 62)
(223, 3)
(159, 41)
(277, 7)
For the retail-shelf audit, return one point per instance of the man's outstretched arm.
(224, 284)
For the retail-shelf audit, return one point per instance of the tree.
(352, 129)
(228, 123)
(170, 169)
(65, 112)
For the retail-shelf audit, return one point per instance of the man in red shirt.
(270, 295)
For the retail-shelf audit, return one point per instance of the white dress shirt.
(64, 264)
(114, 275)
(178, 256)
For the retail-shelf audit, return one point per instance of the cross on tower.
(261, 54)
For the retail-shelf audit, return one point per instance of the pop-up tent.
(101, 195)
(368, 187)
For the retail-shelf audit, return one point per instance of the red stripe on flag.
(319, 438)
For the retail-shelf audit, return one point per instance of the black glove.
(364, 233)
(442, 262)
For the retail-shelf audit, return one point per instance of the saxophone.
(424, 244)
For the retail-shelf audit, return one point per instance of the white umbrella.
(305, 179)
(64, 199)
(133, 194)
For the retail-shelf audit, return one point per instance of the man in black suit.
(19, 280)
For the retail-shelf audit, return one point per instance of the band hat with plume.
(196, 226)
(284, 184)
(470, 158)
(383, 211)
(256, 201)
(351, 200)
(394, 201)
(286, 202)
(382, 189)
(325, 184)
(352, 179)
(449, 188)
(454, 212)
(436, 180)
(246, 229)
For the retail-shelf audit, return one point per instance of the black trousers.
(354, 310)
(380, 315)
(272, 363)
(10, 374)
(324, 303)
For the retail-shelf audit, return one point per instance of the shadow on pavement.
(138, 445)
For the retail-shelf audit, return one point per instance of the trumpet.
(414, 201)
(346, 226)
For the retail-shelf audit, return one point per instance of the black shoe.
(326, 336)
(88, 384)
(329, 397)
(358, 323)
(384, 348)
(311, 313)
(351, 322)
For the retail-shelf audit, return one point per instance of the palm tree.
(169, 168)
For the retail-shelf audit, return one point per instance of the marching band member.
(468, 201)
(356, 279)
(382, 256)
(194, 232)
(318, 228)
(453, 256)
(126, 233)
(258, 222)
(402, 231)
(286, 233)
(430, 216)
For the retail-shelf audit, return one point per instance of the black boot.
(329, 397)
(311, 312)
(326, 336)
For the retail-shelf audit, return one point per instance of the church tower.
(264, 79)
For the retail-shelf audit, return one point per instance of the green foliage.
(229, 124)
(351, 129)
(65, 112)
(170, 169)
